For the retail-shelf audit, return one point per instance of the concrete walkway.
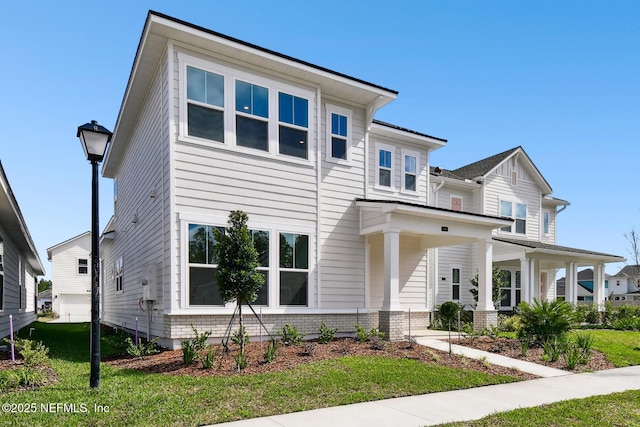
(461, 405)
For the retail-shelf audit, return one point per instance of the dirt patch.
(511, 348)
(169, 362)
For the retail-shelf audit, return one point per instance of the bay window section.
(293, 116)
(252, 116)
(205, 104)
(203, 287)
(294, 269)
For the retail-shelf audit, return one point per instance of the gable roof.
(52, 248)
(629, 271)
(482, 168)
(160, 29)
(560, 250)
(13, 222)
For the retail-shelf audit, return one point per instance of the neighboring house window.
(294, 269)
(252, 116)
(293, 114)
(505, 291)
(456, 203)
(384, 168)
(518, 287)
(1, 275)
(410, 168)
(205, 104)
(118, 268)
(517, 212)
(338, 134)
(83, 266)
(203, 287)
(514, 178)
(545, 222)
(455, 284)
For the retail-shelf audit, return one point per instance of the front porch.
(398, 235)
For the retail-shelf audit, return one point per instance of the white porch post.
(485, 314)
(571, 283)
(598, 286)
(485, 277)
(391, 270)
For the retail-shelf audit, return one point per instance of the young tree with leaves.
(237, 274)
(498, 281)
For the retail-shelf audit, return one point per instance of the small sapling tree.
(237, 274)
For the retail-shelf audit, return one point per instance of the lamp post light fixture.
(94, 139)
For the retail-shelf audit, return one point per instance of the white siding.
(459, 256)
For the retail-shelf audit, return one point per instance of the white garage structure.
(71, 278)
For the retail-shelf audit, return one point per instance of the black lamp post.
(95, 139)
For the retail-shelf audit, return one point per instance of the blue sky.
(559, 78)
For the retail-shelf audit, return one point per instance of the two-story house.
(624, 286)
(343, 209)
(20, 264)
(71, 278)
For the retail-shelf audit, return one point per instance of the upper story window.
(118, 270)
(456, 203)
(410, 169)
(384, 165)
(545, 222)
(293, 116)
(252, 116)
(338, 134)
(83, 266)
(205, 104)
(517, 211)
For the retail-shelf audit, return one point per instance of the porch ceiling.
(438, 227)
(552, 256)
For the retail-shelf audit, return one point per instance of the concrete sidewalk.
(459, 405)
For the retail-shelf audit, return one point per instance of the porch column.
(598, 286)
(526, 280)
(485, 314)
(391, 317)
(571, 283)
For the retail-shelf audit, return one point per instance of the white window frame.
(118, 274)
(458, 284)
(296, 270)
(455, 196)
(386, 147)
(514, 216)
(231, 75)
(333, 109)
(411, 153)
(292, 125)
(546, 231)
(85, 266)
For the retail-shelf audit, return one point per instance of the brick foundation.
(484, 319)
(392, 324)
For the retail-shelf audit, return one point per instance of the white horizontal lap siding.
(413, 273)
(499, 187)
(342, 257)
(444, 198)
(139, 211)
(551, 237)
(65, 277)
(450, 257)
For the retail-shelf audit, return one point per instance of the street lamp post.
(95, 139)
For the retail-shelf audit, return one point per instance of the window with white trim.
(293, 117)
(205, 104)
(118, 269)
(410, 169)
(516, 211)
(21, 285)
(384, 166)
(455, 284)
(1, 275)
(338, 134)
(456, 203)
(546, 216)
(261, 243)
(294, 269)
(83, 266)
(252, 116)
(203, 287)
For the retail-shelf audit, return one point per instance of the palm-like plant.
(542, 321)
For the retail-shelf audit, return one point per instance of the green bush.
(290, 335)
(20, 377)
(326, 333)
(208, 358)
(34, 353)
(270, 353)
(141, 349)
(542, 320)
(240, 336)
(553, 348)
(189, 353)
(508, 323)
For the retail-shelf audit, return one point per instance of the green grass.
(618, 409)
(135, 398)
(622, 348)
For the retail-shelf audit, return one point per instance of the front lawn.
(622, 348)
(129, 397)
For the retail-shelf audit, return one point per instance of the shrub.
(189, 354)
(209, 358)
(241, 361)
(543, 320)
(290, 335)
(270, 353)
(553, 348)
(509, 323)
(585, 342)
(240, 337)
(199, 342)
(20, 377)
(34, 353)
(362, 335)
(326, 333)
(572, 355)
(140, 350)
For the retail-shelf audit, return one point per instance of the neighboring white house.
(624, 286)
(44, 300)
(350, 224)
(71, 278)
(20, 264)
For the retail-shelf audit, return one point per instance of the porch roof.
(560, 254)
